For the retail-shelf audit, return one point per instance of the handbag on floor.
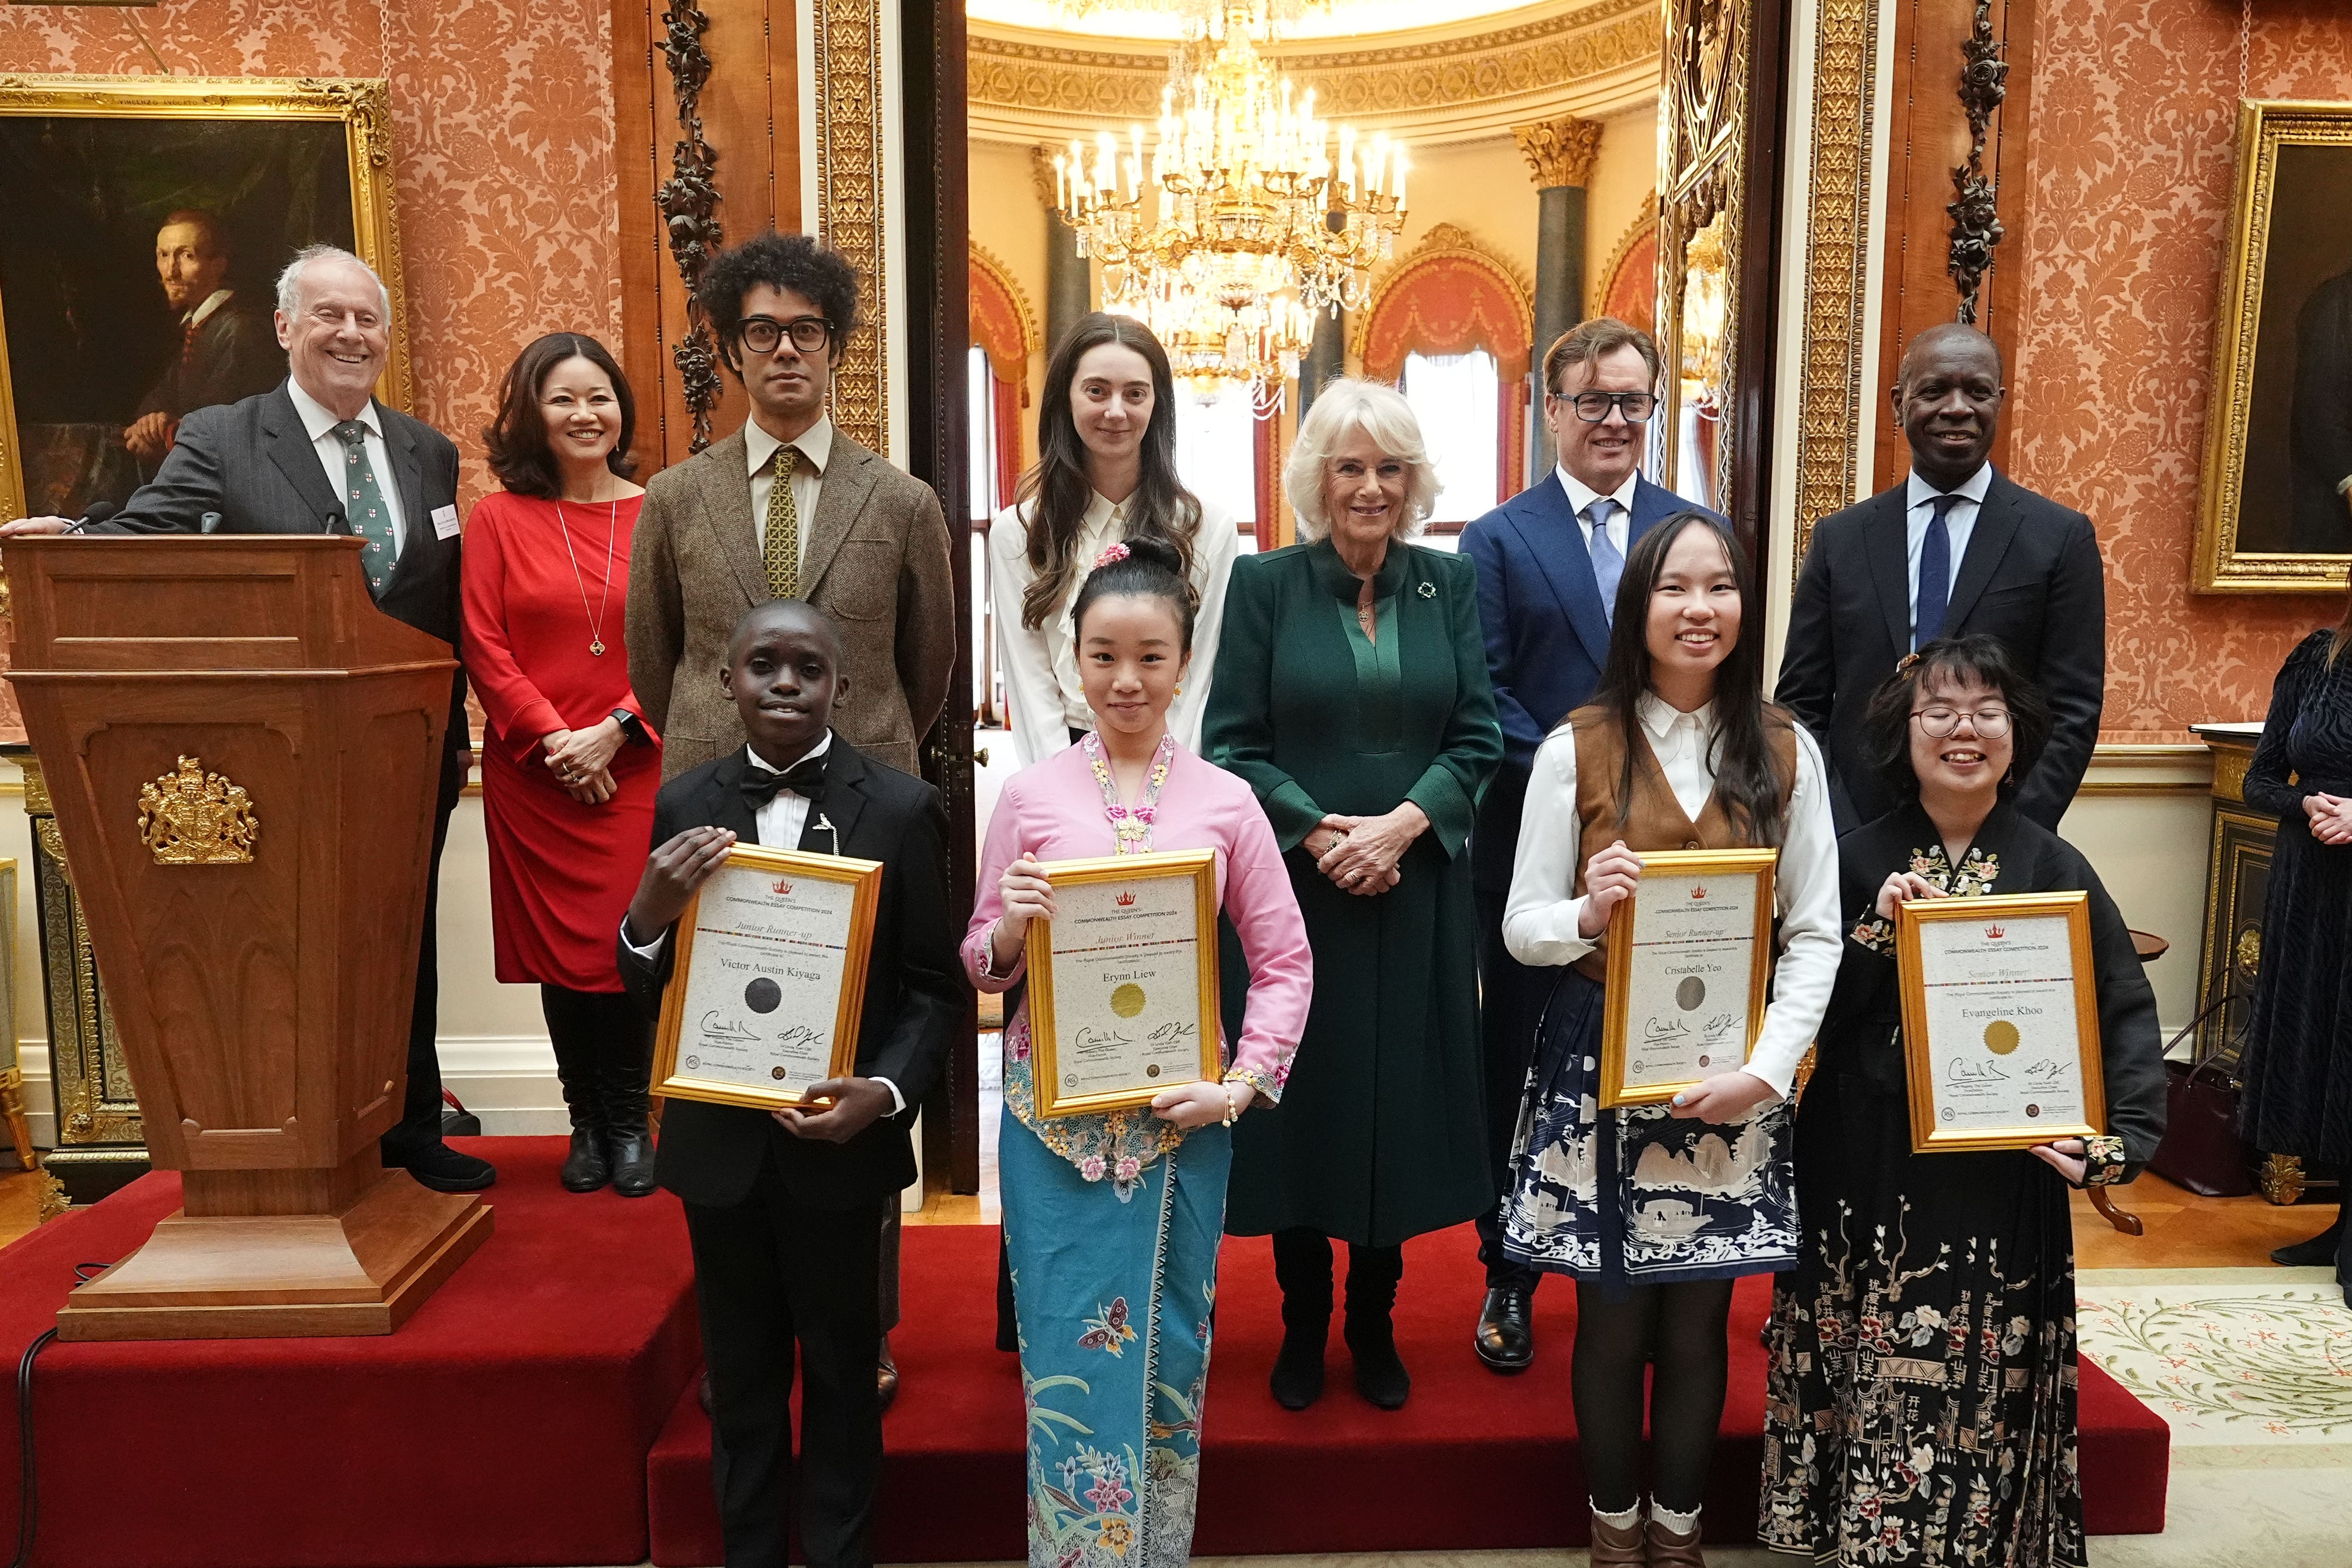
(2201, 1149)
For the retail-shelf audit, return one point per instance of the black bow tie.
(805, 778)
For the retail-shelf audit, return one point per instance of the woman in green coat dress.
(1352, 694)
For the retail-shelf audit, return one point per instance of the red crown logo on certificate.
(1994, 933)
(1698, 892)
(1125, 899)
(782, 887)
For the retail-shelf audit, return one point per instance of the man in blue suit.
(1548, 563)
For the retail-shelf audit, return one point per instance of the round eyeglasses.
(1991, 722)
(760, 334)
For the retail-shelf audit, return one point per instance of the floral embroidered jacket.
(1054, 811)
(1862, 1032)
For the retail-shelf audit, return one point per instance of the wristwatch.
(633, 728)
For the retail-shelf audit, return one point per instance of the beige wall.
(1623, 175)
(1008, 221)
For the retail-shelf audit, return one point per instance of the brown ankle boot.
(1668, 1549)
(1615, 1547)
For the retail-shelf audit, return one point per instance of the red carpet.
(509, 1421)
(1474, 1460)
(506, 1423)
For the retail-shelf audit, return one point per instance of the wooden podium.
(244, 754)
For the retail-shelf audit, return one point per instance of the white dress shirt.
(815, 444)
(319, 423)
(781, 822)
(1918, 498)
(1620, 518)
(1040, 667)
(1539, 921)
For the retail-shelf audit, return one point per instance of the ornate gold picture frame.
(1632, 944)
(816, 930)
(2004, 1082)
(100, 177)
(1112, 1022)
(2271, 518)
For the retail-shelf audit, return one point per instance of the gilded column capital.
(1559, 152)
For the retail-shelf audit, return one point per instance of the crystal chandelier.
(1241, 227)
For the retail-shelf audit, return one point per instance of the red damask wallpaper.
(2123, 236)
(503, 110)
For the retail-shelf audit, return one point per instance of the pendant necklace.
(612, 532)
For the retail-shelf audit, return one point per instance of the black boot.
(628, 1105)
(585, 1167)
(1302, 1266)
(2317, 1252)
(1373, 1276)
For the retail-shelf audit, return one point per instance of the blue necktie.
(1607, 564)
(1935, 574)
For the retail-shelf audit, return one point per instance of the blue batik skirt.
(1633, 1196)
(1113, 1283)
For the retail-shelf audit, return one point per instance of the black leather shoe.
(444, 1169)
(585, 1168)
(886, 1375)
(1505, 1340)
(633, 1166)
(2316, 1253)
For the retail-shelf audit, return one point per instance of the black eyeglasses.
(1991, 722)
(1593, 407)
(760, 334)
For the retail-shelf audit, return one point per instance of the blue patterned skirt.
(1633, 1196)
(1113, 1285)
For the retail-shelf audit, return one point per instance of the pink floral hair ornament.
(1112, 552)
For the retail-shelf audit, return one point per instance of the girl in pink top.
(1111, 1222)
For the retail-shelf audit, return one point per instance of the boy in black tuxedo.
(780, 1205)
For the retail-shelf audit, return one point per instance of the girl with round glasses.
(1920, 1399)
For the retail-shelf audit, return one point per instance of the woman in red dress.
(568, 767)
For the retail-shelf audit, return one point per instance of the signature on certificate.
(1175, 1031)
(800, 1034)
(715, 1026)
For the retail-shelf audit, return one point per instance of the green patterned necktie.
(781, 545)
(364, 506)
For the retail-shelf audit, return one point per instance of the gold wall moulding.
(1559, 152)
(1831, 418)
(1029, 86)
(851, 200)
(189, 817)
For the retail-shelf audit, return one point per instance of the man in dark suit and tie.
(1956, 548)
(780, 1204)
(1548, 562)
(319, 454)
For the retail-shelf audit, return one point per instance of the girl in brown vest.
(1654, 1211)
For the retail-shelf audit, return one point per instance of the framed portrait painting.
(2275, 514)
(143, 221)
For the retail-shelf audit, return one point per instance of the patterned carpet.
(2250, 1366)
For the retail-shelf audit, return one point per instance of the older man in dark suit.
(1548, 562)
(1956, 548)
(319, 454)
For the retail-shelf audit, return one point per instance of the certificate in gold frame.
(1201, 867)
(1927, 1136)
(865, 876)
(1742, 862)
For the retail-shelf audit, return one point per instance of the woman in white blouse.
(1656, 1210)
(1105, 472)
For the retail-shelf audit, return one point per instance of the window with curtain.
(1216, 452)
(1458, 397)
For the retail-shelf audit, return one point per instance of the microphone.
(97, 512)
(209, 523)
(337, 523)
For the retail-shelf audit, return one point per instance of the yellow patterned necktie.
(782, 544)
